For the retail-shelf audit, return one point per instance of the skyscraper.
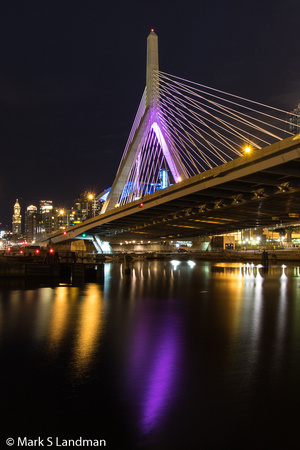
(294, 120)
(32, 222)
(17, 219)
(88, 205)
(48, 217)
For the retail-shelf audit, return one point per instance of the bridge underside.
(249, 192)
(227, 208)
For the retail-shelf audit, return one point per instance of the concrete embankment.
(16, 270)
(256, 257)
(244, 256)
(70, 273)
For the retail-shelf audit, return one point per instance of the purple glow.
(160, 383)
(153, 369)
(166, 152)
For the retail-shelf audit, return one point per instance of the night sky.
(72, 74)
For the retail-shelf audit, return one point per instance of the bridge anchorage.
(198, 161)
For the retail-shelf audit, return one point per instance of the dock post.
(100, 273)
(127, 259)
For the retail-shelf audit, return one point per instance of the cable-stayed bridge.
(198, 161)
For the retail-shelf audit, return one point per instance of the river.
(176, 355)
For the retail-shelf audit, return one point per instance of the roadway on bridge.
(261, 190)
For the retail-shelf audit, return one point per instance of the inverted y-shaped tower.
(148, 120)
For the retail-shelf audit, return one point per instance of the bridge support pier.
(101, 246)
(289, 242)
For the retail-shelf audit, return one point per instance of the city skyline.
(72, 76)
(85, 206)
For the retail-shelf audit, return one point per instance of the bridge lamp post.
(247, 150)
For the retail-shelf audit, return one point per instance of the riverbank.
(256, 257)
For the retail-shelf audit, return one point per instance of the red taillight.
(37, 251)
(51, 250)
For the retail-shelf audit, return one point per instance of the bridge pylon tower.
(147, 120)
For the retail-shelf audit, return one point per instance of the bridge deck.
(256, 191)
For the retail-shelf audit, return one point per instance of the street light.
(92, 198)
(64, 221)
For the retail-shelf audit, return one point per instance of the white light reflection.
(107, 270)
(258, 275)
(251, 318)
(283, 275)
(249, 271)
(175, 263)
(281, 322)
(297, 271)
(191, 264)
(133, 275)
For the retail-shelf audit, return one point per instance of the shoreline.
(274, 256)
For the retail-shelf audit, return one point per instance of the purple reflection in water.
(161, 382)
(154, 367)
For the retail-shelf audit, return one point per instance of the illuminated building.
(294, 120)
(88, 205)
(48, 217)
(65, 217)
(17, 219)
(163, 178)
(32, 222)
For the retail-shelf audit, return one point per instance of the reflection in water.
(1, 314)
(60, 311)
(294, 325)
(281, 321)
(72, 317)
(44, 304)
(249, 285)
(237, 294)
(253, 323)
(89, 328)
(175, 263)
(191, 264)
(154, 368)
(160, 380)
(187, 354)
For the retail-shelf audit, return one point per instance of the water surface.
(177, 355)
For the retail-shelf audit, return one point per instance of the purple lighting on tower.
(155, 127)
